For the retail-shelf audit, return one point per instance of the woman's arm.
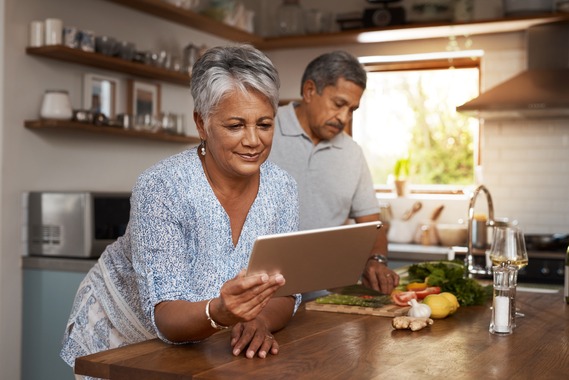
(242, 299)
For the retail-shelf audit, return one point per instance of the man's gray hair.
(326, 69)
(223, 69)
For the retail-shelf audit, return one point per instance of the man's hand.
(379, 277)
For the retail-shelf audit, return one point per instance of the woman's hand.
(242, 298)
(258, 312)
(255, 337)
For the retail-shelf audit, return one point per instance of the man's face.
(330, 112)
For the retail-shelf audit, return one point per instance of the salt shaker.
(502, 299)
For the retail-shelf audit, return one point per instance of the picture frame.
(143, 98)
(100, 94)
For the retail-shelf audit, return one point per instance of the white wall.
(6, 310)
(34, 160)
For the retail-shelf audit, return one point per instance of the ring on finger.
(269, 337)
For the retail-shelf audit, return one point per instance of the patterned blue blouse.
(177, 246)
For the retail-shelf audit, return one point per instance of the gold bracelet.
(211, 321)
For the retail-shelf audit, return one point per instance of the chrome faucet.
(471, 267)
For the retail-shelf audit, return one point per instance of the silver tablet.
(315, 259)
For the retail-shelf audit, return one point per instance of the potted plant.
(401, 172)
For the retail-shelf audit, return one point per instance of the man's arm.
(376, 273)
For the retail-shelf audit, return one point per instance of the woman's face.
(240, 133)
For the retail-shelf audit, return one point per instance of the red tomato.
(402, 298)
(430, 290)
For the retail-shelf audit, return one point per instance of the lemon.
(440, 306)
(452, 298)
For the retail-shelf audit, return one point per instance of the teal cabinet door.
(48, 297)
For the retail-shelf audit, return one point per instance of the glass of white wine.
(508, 245)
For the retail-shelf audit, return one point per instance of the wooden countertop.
(321, 345)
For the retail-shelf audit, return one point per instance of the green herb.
(365, 301)
(449, 276)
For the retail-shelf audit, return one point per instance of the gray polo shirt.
(334, 182)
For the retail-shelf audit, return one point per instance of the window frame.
(431, 64)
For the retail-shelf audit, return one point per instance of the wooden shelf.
(410, 32)
(101, 61)
(64, 125)
(194, 20)
(167, 11)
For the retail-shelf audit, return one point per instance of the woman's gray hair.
(326, 69)
(222, 69)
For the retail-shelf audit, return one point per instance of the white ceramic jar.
(36, 34)
(53, 31)
(56, 105)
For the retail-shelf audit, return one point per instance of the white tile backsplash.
(525, 166)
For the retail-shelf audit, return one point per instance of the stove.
(546, 254)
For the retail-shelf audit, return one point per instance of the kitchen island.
(322, 345)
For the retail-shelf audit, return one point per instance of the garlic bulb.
(419, 310)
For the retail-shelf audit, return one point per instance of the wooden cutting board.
(383, 311)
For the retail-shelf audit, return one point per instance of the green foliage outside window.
(415, 112)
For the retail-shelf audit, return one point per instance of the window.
(408, 110)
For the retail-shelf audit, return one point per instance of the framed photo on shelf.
(143, 98)
(100, 94)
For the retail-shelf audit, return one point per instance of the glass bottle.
(290, 17)
(566, 292)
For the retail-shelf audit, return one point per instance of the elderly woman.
(177, 273)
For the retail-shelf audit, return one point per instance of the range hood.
(540, 92)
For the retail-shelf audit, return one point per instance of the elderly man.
(333, 178)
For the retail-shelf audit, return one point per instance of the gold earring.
(202, 148)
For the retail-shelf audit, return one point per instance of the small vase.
(401, 187)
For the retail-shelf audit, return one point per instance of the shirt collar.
(295, 129)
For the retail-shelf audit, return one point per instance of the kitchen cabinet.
(66, 125)
(48, 291)
(167, 11)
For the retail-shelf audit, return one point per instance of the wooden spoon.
(409, 213)
(433, 234)
(436, 213)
